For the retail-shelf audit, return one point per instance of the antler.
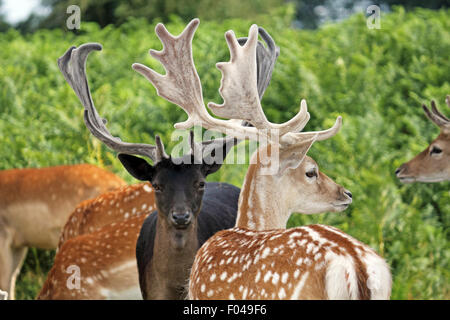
(435, 115)
(73, 66)
(181, 85)
(265, 59)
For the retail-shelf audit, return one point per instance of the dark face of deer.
(179, 187)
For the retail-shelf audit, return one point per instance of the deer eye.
(201, 184)
(311, 173)
(435, 150)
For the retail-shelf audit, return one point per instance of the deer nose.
(181, 218)
(348, 193)
(399, 169)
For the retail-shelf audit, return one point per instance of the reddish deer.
(170, 236)
(97, 265)
(432, 164)
(35, 204)
(252, 260)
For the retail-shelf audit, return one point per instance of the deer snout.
(181, 218)
(345, 197)
(400, 169)
(348, 193)
(403, 173)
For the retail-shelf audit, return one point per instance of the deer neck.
(262, 203)
(172, 259)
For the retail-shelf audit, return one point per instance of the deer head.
(181, 85)
(432, 164)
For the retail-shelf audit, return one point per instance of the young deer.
(35, 204)
(309, 262)
(432, 164)
(169, 238)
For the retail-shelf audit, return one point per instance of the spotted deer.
(432, 164)
(257, 259)
(189, 211)
(114, 206)
(35, 204)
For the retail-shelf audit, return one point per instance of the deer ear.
(291, 157)
(214, 153)
(137, 167)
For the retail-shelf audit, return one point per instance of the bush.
(375, 79)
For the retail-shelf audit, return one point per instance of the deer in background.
(114, 206)
(432, 164)
(170, 237)
(34, 206)
(256, 259)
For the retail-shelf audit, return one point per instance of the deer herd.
(176, 236)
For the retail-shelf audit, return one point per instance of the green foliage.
(376, 79)
(119, 11)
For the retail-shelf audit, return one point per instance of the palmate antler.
(181, 85)
(73, 66)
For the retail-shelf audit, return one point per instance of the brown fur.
(96, 253)
(251, 272)
(114, 206)
(35, 204)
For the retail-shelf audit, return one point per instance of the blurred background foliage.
(376, 79)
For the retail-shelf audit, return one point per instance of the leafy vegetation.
(376, 79)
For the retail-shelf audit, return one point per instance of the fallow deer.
(170, 237)
(114, 206)
(432, 164)
(35, 204)
(255, 260)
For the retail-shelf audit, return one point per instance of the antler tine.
(265, 71)
(435, 116)
(73, 67)
(294, 138)
(447, 100)
(239, 91)
(160, 153)
(437, 112)
(265, 60)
